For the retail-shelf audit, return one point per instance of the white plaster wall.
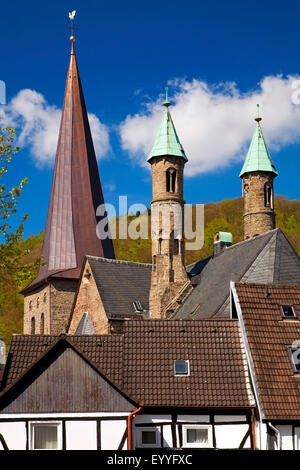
(140, 419)
(193, 418)
(229, 419)
(286, 436)
(112, 433)
(14, 435)
(167, 436)
(81, 435)
(230, 436)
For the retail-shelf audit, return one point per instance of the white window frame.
(185, 427)
(148, 428)
(188, 367)
(57, 424)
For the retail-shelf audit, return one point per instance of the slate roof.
(266, 258)
(269, 335)
(120, 283)
(141, 361)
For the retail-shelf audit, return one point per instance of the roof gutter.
(129, 425)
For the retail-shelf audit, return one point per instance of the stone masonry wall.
(167, 232)
(37, 303)
(89, 300)
(159, 167)
(258, 218)
(61, 301)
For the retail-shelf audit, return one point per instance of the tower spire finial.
(258, 118)
(72, 16)
(167, 102)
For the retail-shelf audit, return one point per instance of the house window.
(148, 437)
(45, 297)
(197, 436)
(37, 302)
(181, 368)
(30, 305)
(287, 311)
(45, 436)
(295, 357)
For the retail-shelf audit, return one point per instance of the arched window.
(268, 195)
(171, 180)
(42, 329)
(38, 302)
(45, 296)
(33, 326)
(30, 305)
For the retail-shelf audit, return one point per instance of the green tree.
(14, 273)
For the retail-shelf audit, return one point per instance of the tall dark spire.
(76, 190)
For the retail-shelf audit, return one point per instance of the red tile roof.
(141, 361)
(268, 336)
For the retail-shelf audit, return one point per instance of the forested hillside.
(222, 216)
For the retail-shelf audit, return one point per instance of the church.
(125, 355)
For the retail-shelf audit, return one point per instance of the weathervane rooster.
(72, 16)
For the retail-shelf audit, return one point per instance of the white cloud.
(215, 123)
(111, 187)
(37, 124)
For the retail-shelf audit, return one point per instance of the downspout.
(129, 424)
(253, 428)
(277, 433)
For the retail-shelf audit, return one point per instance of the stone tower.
(169, 278)
(71, 221)
(258, 174)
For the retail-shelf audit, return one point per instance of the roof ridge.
(250, 239)
(117, 261)
(269, 284)
(180, 322)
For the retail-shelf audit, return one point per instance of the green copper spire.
(258, 157)
(167, 142)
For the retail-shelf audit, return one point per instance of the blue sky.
(127, 52)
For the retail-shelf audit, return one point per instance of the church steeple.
(76, 192)
(258, 173)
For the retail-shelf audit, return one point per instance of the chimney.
(222, 240)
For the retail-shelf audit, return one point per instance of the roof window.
(181, 368)
(137, 306)
(287, 311)
(295, 357)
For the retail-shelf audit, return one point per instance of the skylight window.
(287, 311)
(295, 357)
(137, 306)
(181, 368)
